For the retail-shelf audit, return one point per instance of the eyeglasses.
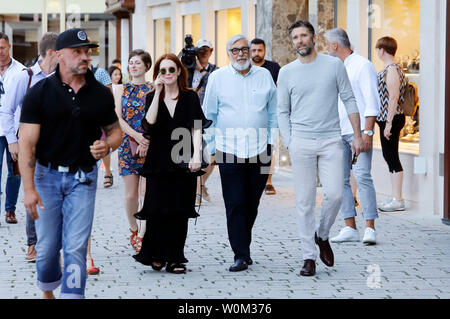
(244, 50)
(2, 90)
(169, 70)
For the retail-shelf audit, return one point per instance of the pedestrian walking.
(59, 144)
(9, 68)
(130, 108)
(174, 117)
(258, 52)
(241, 101)
(391, 120)
(308, 116)
(363, 79)
(12, 105)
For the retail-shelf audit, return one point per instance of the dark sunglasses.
(2, 90)
(169, 70)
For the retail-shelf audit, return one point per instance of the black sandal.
(108, 181)
(158, 268)
(176, 268)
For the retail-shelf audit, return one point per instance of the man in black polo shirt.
(258, 52)
(59, 145)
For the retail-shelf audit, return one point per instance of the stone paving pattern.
(413, 255)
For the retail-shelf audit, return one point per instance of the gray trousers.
(309, 157)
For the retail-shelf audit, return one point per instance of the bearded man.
(308, 91)
(240, 99)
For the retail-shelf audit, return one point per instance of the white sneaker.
(393, 206)
(370, 236)
(345, 235)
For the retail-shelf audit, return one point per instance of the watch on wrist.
(368, 132)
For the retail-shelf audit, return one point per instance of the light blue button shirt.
(243, 110)
(12, 102)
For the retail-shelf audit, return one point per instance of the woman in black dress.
(171, 178)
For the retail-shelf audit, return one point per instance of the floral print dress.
(133, 111)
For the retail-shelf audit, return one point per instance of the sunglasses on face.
(169, 70)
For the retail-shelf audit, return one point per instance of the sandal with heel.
(176, 268)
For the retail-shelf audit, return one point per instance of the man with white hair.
(240, 99)
(363, 78)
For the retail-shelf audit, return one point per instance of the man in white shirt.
(241, 100)
(363, 78)
(12, 104)
(8, 69)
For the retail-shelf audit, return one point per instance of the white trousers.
(308, 156)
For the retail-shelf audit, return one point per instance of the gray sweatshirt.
(308, 98)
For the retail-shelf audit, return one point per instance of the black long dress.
(170, 188)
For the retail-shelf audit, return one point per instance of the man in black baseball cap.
(73, 38)
(60, 143)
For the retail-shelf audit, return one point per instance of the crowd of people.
(171, 132)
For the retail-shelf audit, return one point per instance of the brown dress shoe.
(309, 268)
(326, 253)
(11, 218)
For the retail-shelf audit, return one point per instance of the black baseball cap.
(73, 38)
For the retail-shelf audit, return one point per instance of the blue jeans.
(65, 222)
(361, 171)
(12, 181)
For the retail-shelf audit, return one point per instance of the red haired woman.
(173, 111)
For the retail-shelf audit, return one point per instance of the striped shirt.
(384, 92)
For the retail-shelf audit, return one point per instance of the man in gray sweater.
(308, 118)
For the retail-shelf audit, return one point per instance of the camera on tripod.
(189, 53)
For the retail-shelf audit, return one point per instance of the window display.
(162, 37)
(228, 24)
(400, 19)
(191, 25)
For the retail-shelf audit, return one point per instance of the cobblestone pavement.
(411, 259)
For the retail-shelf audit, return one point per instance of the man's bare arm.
(28, 139)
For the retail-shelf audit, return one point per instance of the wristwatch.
(368, 132)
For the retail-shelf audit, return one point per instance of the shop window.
(228, 24)
(192, 26)
(341, 12)
(400, 19)
(162, 37)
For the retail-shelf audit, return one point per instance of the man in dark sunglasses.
(9, 69)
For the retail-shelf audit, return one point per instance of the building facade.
(25, 21)
(160, 26)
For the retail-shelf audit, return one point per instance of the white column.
(124, 43)
(44, 17)
(176, 28)
(139, 23)
(432, 103)
(358, 26)
(208, 24)
(111, 41)
(62, 15)
(248, 19)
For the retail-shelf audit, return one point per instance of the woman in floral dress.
(130, 108)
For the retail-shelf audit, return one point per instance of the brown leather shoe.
(31, 255)
(309, 268)
(11, 218)
(326, 253)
